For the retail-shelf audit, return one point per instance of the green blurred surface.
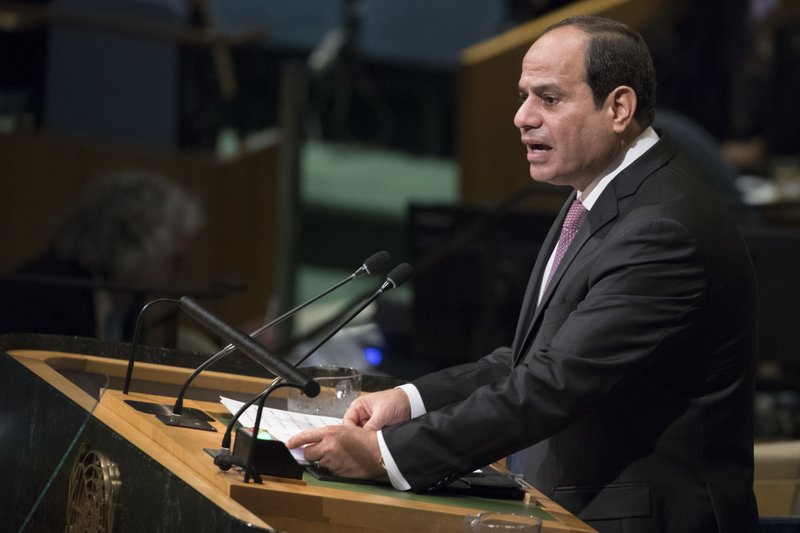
(374, 181)
(467, 502)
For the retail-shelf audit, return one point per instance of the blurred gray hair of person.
(129, 226)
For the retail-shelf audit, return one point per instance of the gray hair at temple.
(128, 223)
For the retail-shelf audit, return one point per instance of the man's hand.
(346, 451)
(379, 409)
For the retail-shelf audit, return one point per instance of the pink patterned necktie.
(572, 223)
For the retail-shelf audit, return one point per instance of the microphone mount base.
(189, 418)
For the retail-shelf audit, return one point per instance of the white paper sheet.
(280, 424)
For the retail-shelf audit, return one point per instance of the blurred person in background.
(125, 237)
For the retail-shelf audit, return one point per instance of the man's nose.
(527, 117)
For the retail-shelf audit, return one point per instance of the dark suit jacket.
(631, 383)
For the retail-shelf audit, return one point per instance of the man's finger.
(309, 436)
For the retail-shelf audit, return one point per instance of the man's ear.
(622, 106)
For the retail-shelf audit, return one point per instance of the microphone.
(370, 265)
(397, 276)
(250, 347)
(224, 459)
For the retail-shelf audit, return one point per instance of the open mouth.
(536, 147)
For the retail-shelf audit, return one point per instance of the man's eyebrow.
(540, 88)
(547, 88)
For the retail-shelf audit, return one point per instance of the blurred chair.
(777, 481)
(702, 150)
(106, 82)
(297, 25)
(422, 42)
(15, 104)
(779, 524)
(22, 45)
(421, 32)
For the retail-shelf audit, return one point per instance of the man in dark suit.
(628, 389)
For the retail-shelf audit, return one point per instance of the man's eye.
(521, 97)
(549, 100)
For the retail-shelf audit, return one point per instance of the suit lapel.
(605, 210)
(530, 300)
(530, 326)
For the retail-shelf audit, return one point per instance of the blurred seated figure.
(126, 235)
(702, 150)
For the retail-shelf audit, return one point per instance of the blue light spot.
(373, 355)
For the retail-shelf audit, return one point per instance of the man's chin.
(549, 177)
(544, 177)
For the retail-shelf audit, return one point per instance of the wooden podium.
(74, 452)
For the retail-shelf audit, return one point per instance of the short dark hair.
(617, 55)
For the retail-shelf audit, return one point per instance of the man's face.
(569, 140)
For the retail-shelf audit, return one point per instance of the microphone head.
(374, 262)
(397, 276)
(311, 388)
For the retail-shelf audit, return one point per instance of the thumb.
(376, 421)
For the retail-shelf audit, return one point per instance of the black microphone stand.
(192, 418)
(137, 332)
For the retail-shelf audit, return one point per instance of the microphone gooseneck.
(397, 276)
(370, 265)
(137, 333)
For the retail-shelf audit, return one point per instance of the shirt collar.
(646, 140)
